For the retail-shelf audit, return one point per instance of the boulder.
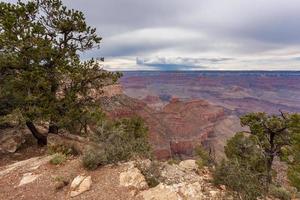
(11, 140)
(80, 185)
(133, 177)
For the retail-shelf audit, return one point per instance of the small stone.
(223, 187)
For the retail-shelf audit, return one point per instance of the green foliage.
(60, 182)
(279, 193)
(245, 169)
(294, 175)
(151, 173)
(242, 180)
(203, 157)
(173, 161)
(246, 151)
(41, 74)
(274, 134)
(62, 149)
(292, 154)
(94, 157)
(248, 168)
(123, 139)
(58, 159)
(118, 141)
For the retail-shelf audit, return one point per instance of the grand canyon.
(184, 109)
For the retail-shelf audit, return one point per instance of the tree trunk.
(53, 128)
(41, 139)
(269, 169)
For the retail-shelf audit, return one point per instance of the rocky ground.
(36, 178)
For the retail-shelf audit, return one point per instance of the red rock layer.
(175, 130)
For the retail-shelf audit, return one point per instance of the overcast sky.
(195, 34)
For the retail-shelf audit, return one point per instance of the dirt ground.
(105, 180)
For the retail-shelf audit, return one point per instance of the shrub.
(60, 182)
(151, 173)
(173, 161)
(245, 182)
(294, 176)
(123, 139)
(58, 158)
(63, 149)
(203, 157)
(279, 192)
(93, 157)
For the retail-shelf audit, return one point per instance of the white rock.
(133, 177)
(28, 178)
(84, 186)
(188, 165)
(76, 182)
(29, 165)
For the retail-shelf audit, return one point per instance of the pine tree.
(41, 75)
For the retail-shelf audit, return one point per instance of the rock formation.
(175, 129)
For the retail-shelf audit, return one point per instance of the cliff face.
(175, 129)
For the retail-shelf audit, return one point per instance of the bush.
(245, 182)
(294, 176)
(174, 161)
(63, 149)
(123, 139)
(60, 182)
(203, 157)
(58, 158)
(93, 157)
(151, 173)
(279, 192)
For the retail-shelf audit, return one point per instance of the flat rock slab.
(28, 165)
(28, 178)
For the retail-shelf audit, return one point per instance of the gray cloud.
(245, 30)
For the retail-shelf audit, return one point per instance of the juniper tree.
(291, 154)
(250, 154)
(274, 134)
(41, 75)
